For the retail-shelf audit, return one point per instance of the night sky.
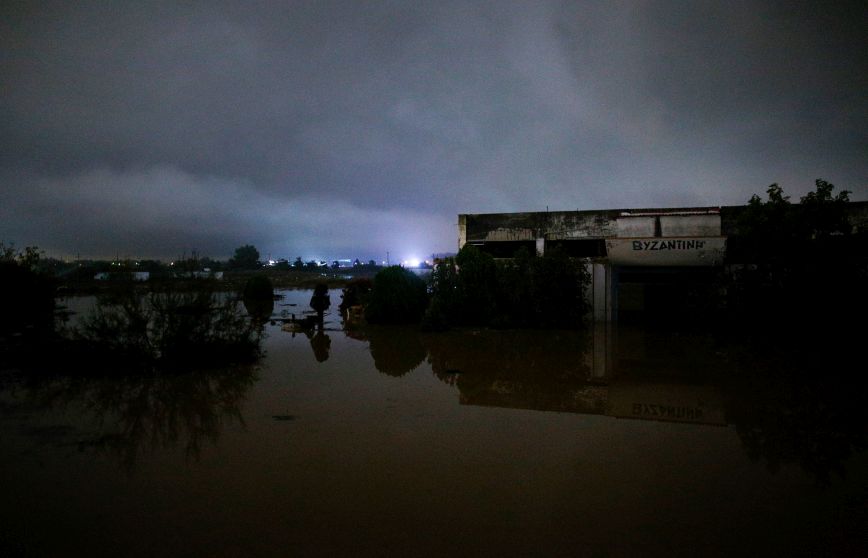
(345, 129)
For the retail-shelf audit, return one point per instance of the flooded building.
(626, 249)
(641, 261)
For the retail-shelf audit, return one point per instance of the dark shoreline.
(231, 281)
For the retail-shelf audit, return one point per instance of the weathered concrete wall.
(690, 225)
(858, 215)
(571, 225)
(557, 225)
(496, 226)
(579, 224)
(632, 227)
(612, 223)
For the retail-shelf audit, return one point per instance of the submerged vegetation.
(165, 330)
(790, 267)
(524, 292)
(398, 296)
(128, 332)
(356, 293)
(473, 289)
(258, 298)
(795, 271)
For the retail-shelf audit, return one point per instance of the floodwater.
(388, 442)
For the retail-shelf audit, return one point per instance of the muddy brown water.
(388, 442)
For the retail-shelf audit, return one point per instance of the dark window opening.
(579, 248)
(506, 248)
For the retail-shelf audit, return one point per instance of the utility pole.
(387, 259)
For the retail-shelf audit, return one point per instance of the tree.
(806, 266)
(320, 301)
(246, 257)
(444, 308)
(477, 280)
(398, 296)
(824, 214)
(258, 297)
(779, 234)
(29, 304)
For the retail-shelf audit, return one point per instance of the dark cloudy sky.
(348, 128)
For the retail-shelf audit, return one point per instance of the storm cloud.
(349, 129)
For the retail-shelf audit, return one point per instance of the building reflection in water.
(779, 415)
(569, 371)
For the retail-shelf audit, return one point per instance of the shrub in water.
(398, 296)
(258, 287)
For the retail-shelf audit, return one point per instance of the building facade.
(640, 260)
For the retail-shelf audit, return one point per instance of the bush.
(159, 331)
(29, 305)
(356, 292)
(477, 283)
(526, 291)
(558, 291)
(258, 287)
(802, 265)
(320, 301)
(258, 298)
(398, 296)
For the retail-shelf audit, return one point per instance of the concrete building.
(639, 259)
(614, 243)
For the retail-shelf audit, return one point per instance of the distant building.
(122, 276)
(440, 256)
(208, 274)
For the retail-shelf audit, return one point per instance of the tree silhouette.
(246, 257)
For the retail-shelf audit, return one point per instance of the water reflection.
(541, 370)
(259, 310)
(337, 458)
(130, 416)
(800, 411)
(161, 331)
(320, 342)
(141, 372)
(781, 415)
(396, 350)
(568, 371)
